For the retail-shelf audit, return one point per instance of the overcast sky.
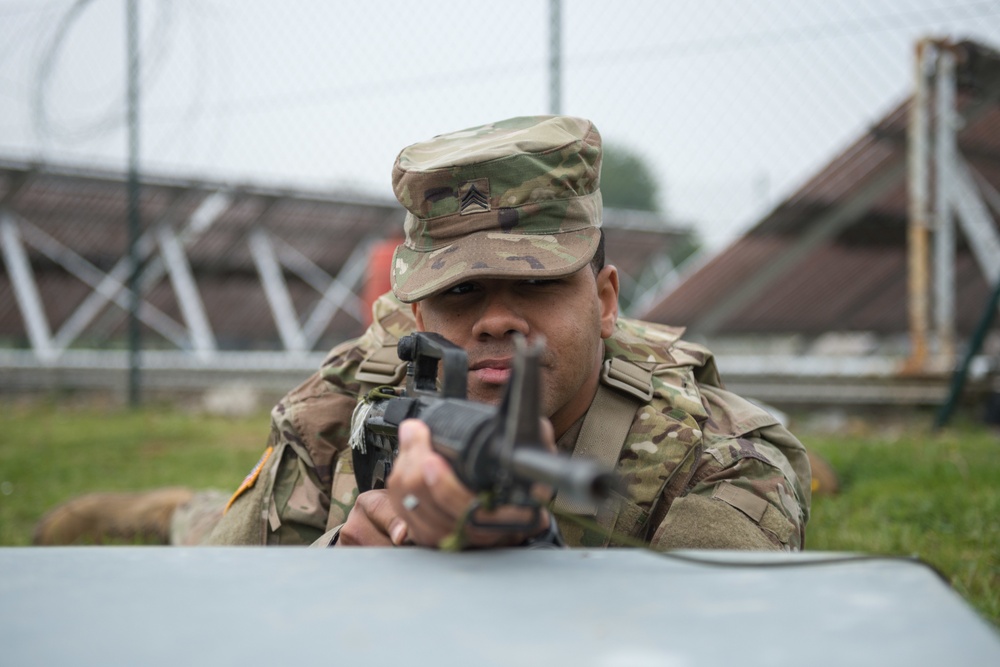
(732, 103)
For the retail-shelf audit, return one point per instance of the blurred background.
(263, 134)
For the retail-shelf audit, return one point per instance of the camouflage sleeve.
(750, 487)
(310, 430)
(741, 496)
(313, 423)
(286, 499)
(305, 481)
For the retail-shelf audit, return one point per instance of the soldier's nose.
(499, 319)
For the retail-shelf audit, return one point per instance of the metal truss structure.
(300, 262)
(69, 295)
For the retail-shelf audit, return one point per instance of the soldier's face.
(573, 313)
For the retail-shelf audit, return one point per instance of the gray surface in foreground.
(170, 606)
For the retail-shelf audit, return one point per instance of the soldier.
(502, 237)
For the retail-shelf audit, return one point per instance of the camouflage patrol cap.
(519, 198)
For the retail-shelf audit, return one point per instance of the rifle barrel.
(581, 480)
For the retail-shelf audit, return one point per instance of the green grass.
(49, 454)
(917, 493)
(906, 492)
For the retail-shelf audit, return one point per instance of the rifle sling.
(623, 389)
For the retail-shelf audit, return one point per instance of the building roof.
(833, 255)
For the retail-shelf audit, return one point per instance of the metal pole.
(976, 342)
(555, 57)
(917, 242)
(134, 342)
(944, 224)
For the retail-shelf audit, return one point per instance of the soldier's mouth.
(492, 371)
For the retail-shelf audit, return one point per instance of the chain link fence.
(731, 104)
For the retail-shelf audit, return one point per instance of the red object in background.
(377, 280)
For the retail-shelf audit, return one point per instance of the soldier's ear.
(607, 294)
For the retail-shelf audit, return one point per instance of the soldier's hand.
(425, 492)
(373, 522)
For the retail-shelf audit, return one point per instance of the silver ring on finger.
(410, 502)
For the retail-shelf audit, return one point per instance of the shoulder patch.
(251, 478)
(743, 500)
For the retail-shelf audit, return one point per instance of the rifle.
(497, 452)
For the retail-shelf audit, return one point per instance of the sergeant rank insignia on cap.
(474, 196)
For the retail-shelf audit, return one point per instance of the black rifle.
(497, 450)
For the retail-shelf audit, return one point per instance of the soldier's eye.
(462, 288)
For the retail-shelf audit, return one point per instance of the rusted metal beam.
(918, 185)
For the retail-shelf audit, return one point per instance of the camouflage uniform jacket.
(703, 467)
